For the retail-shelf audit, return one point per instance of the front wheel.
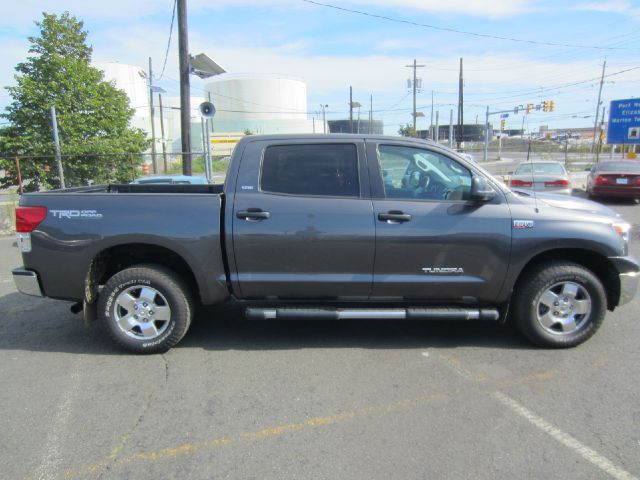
(146, 308)
(559, 304)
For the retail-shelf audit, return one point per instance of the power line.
(166, 55)
(463, 32)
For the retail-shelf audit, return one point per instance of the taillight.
(520, 183)
(28, 218)
(557, 183)
(601, 180)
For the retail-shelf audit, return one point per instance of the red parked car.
(614, 179)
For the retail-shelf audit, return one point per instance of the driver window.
(417, 174)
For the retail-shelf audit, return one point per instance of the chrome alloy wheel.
(564, 308)
(142, 312)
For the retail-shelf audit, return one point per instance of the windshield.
(540, 169)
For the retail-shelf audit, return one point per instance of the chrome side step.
(372, 314)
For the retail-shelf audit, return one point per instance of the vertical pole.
(19, 174)
(436, 132)
(204, 138)
(500, 141)
(324, 119)
(56, 143)
(451, 128)
(350, 109)
(431, 132)
(370, 131)
(414, 95)
(522, 134)
(153, 123)
(600, 131)
(208, 168)
(185, 87)
(164, 143)
(486, 136)
(595, 125)
(460, 138)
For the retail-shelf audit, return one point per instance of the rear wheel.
(559, 304)
(146, 308)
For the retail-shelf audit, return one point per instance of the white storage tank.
(258, 97)
(133, 80)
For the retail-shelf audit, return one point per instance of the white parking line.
(564, 438)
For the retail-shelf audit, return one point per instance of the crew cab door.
(432, 241)
(302, 221)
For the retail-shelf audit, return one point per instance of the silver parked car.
(544, 176)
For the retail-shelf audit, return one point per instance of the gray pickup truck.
(328, 227)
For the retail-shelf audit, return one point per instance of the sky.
(514, 52)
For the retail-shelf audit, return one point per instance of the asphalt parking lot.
(273, 400)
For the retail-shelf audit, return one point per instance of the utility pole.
(164, 143)
(350, 109)
(436, 133)
(185, 88)
(460, 136)
(601, 129)
(56, 142)
(415, 66)
(451, 128)
(595, 125)
(153, 123)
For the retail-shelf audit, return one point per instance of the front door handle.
(252, 214)
(394, 216)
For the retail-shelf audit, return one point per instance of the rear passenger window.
(326, 169)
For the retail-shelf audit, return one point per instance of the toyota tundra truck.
(328, 227)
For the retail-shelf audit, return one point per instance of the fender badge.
(523, 224)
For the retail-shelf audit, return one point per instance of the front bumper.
(27, 282)
(628, 286)
(629, 274)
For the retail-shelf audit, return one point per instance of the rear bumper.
(27, 282)
(615, 191)
(629, 273)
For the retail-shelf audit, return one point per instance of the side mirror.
(481, 191)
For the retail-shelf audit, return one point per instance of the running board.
(372, 314)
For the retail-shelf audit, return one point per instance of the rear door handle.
(253, 214)
(394, 216)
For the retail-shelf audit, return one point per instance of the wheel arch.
(115, 258)
(594, 261)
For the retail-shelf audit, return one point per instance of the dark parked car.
(615, 179)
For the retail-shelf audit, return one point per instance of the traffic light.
(529, 107)
(502, 123)
(552, 105)
(545, 106)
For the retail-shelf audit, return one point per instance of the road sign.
(624, 122)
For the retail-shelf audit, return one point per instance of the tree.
(408, 131)
(93, 115)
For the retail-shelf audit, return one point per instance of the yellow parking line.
(186, 449)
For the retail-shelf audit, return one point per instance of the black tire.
(545, 326)
(145, 288)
